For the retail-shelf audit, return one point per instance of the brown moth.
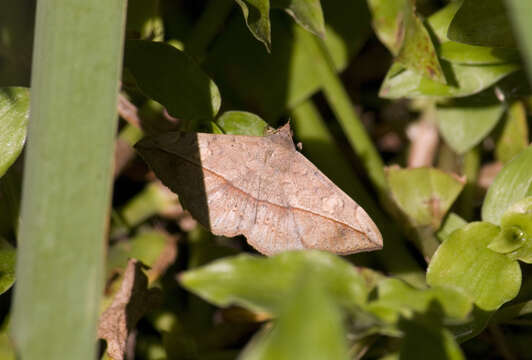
(262, 188)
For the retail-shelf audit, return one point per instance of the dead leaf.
(128, 306)
(261, 187)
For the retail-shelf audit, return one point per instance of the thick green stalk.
(349, 120)
(521, 14)
(67, 177)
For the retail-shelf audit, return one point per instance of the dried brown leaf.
(128, 306)
(261, 187)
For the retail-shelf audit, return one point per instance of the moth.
(262, 188)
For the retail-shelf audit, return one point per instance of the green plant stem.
(207, 27)
(312, 130)
(520, 11)
(470, 169)
(67, 179)
(349, 120)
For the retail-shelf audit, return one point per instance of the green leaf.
(418, 52)
(513, 183)
(242, 123)
(7, 265)
(451, 223)
(257, 17)
(515, 238)
(439, 21)
(423, 194)
(173, 79)
(426, 341)
(514, 136)
(269, 84)
(400, 29)
(403, 300)
(307, 13)
(476, 55)
(520, 13)
(296, 335)
(387, 20)
(465, 123)
(483, 23)
(467, 80)
(261, 284)
(14, 112)
(463, 261)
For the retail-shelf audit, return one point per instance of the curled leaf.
(515, 238)
(307, 13)
(130, 303)
(257, 17)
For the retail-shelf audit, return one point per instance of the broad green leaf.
(463, 124)
(307, 13)
(423, 194)
(14, 112)
(7, 265)
(403, 300)
(400, 29)
(451, 223)
(512, 184)
(515, 238)
(262, 284)
(476, 55)
(242, 123)
(464, 53)
(173, 79)
(464, 261)
(257, 17)
(387, 20)
(483, 23)
(427, 341)
(514, 135)
(468, 80)
(269, 84)
(296, 335)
